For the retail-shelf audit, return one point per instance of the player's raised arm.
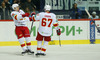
(35, 16)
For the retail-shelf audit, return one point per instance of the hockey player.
(47, 21)
(20, 18)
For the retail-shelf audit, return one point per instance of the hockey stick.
(31, 27)
(59, 38)
(59, 41)
(91, 18)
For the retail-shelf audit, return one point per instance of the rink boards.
(73, 32)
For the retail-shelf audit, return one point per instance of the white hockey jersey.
(96, 17)
(47, 21)
(18, 19)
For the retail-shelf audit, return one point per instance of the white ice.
(54, 52)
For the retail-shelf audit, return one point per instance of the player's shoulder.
(21, 10)
(97, 16)
(41, 13)
(13, 12)
(53, 14)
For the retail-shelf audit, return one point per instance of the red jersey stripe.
(28, 44)
(22, 45)
(15, 17)
(55, 25)
(43, 49)
(38, 48)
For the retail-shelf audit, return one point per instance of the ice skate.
(42, 54)
(38, 54)
(30, 52)
(23, 53)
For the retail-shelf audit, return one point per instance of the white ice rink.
(54, 52)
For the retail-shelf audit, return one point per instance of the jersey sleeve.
(97, 17)
(19, 17)
(55, 22)
(22, 12)
(16, 16)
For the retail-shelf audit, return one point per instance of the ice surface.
(54, 52)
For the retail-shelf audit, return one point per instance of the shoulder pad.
(52, 13)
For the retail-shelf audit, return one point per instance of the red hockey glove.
(25, 15)
(33, 13)
(30, 18)
(58, 32)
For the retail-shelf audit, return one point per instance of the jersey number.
(44, 22)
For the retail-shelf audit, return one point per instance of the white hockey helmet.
(14, 6)
(94, 13)
(47, 7)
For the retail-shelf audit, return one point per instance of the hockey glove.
(30, 18)
(25, 15)
(33, 13)
(58, 32)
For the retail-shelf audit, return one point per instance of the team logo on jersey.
(20, 35)
(15, 16)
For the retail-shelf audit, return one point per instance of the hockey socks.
(41, 49)
(28, 43)
(26, 49)
(39, 45)
(22, 43)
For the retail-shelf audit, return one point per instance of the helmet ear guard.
(47, 7)
(14, 6)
